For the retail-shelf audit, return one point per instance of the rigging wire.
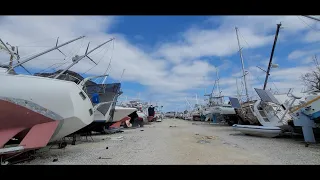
(106, 50)
(318, 30)
(109, 65)
(244, 39)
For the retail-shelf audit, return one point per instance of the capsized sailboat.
(271, 114)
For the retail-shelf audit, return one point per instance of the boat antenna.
(44, 52)
(77, 58)
(243, 71)
(271, 56)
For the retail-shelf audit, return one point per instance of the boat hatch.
(90, 112)
(82, 95)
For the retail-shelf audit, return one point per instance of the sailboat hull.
(121, 112)
(59, 100)
(24, 124)
(258, 130)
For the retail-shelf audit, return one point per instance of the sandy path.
(185, 142)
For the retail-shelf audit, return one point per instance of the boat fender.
(95, 98)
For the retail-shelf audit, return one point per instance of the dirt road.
(175, 141)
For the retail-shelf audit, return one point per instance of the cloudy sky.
(170, 58)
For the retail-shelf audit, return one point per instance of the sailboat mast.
(243, 72)
(238, 94)
(188, 103)
(197, 99)
(271, 56)
(218, 87)
(42, 53)
(77, 59)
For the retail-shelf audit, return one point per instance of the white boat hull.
(258, 130)
(122, 112)
(60, 97)
(220, 110)
(143, 116)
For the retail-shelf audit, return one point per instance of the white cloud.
(170, 71)
(312, 36)
(302, 53)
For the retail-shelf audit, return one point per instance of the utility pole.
(243, 71)
(271, 56)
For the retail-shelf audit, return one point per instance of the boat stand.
(307, 123)
(12, 152)
(86, 135)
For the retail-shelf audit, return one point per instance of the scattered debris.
(55, 160)
(210, 137)
(141, 130)
(102, 139)
(120, 138)
(203, 141)
(172, 126)
(197, 134)
(107, 147)
(104, 158)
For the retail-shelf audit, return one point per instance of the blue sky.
(171, 58)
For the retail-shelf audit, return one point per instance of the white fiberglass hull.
(220, 110)
(258, 130)
(143, 116)
(66, 100)
(122, 112)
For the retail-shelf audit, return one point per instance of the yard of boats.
(176, 141)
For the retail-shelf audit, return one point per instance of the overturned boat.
(271, 114)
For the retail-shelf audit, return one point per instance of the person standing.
(151, 111)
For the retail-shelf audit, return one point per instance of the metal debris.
(55, 160)
(141, 130)
(107, 147)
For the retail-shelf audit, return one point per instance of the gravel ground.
(185, 142)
